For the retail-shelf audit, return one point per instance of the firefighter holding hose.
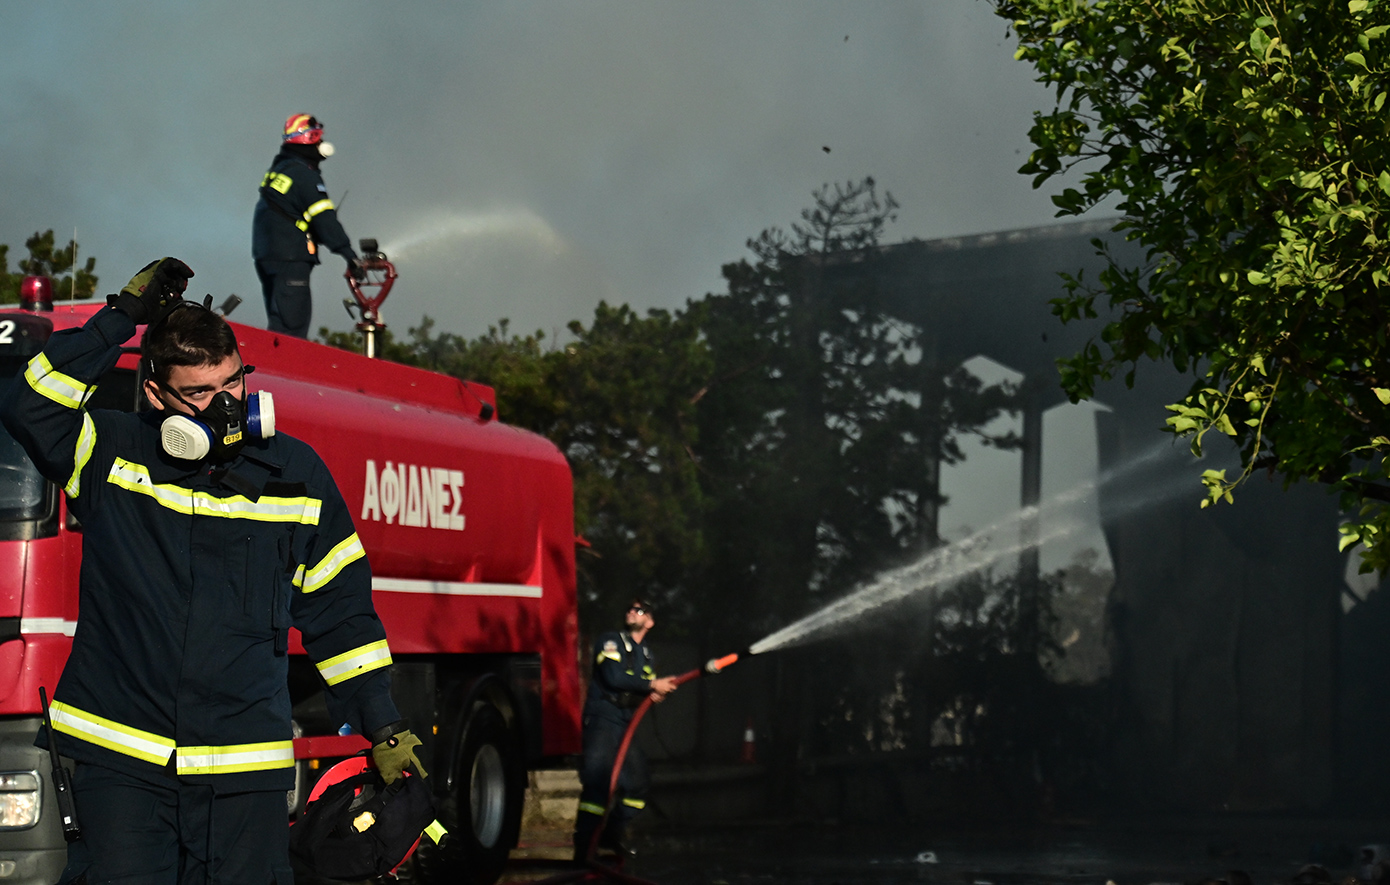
(624, 676)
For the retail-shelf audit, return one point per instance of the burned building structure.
(1225, 621)
(1244, 676)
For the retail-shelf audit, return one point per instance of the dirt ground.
(1186, 850)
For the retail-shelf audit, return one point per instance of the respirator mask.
(221, 428)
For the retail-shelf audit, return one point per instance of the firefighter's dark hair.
(188, 335)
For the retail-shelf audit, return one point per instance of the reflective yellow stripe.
(112, 735)
(607, 655)
(635, 803)
(298, 579)
(49, 382)
(156, 750)
(363, 659)
(591, 808)
(237, 757)
(436, 831)
(86, 441)
(136, 478)
(348, 550)
(314, 209)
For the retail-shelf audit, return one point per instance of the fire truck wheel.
(483, 808)
(298, 797)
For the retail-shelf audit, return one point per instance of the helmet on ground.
(357, 827)
(303, 129)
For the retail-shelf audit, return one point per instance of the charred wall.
(1226, 621)
(1230, 651)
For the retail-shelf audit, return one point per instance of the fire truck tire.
(298, 797)
(482, 810)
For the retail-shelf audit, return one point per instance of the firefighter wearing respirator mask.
(206, 536)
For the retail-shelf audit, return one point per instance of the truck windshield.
(23, 492)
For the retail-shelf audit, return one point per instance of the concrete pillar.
(1030, 486)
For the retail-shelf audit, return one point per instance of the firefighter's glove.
(355, 268)
(395, 754)
(153, 291)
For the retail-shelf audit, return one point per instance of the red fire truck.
(468, 525)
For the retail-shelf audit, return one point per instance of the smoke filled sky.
(519, 160)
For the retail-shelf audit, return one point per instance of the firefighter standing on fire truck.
(624, 674)
(174, 699)
(294, 217)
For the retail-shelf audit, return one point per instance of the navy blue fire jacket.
(295, 216)
(192, 574)
(623, 672)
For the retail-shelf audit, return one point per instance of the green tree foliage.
(617, 400)
(47, 259)
(746, 457)
(1246, 144)
(825, 422)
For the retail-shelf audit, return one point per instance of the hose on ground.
(594, 871)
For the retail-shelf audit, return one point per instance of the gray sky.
(523, 159)
(520, 159)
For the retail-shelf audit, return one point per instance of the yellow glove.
(396, 754)
(153, 291)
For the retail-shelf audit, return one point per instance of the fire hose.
(595, 871)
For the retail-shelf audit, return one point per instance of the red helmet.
(303, 129)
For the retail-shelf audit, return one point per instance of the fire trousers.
(601, 739)
(289, 306)
(172, 833)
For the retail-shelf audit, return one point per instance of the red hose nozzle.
(717, 664)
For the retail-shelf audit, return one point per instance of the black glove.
(355, 268)
(153, 291)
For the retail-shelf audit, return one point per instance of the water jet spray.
(1057, 518)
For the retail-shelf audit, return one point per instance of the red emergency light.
(36, 294)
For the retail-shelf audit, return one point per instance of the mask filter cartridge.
(185, 438)
(260, 415)
(190, 439)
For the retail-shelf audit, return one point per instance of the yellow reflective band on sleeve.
(298, 579)
(635, 803)
(135, 477)
(316, 208)
(607, 655)
(348, 550)
(591, 808)
(49, 382)
(86, 442)
(110, 734)
(363, 659)
(436, 831)
(237, 757)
